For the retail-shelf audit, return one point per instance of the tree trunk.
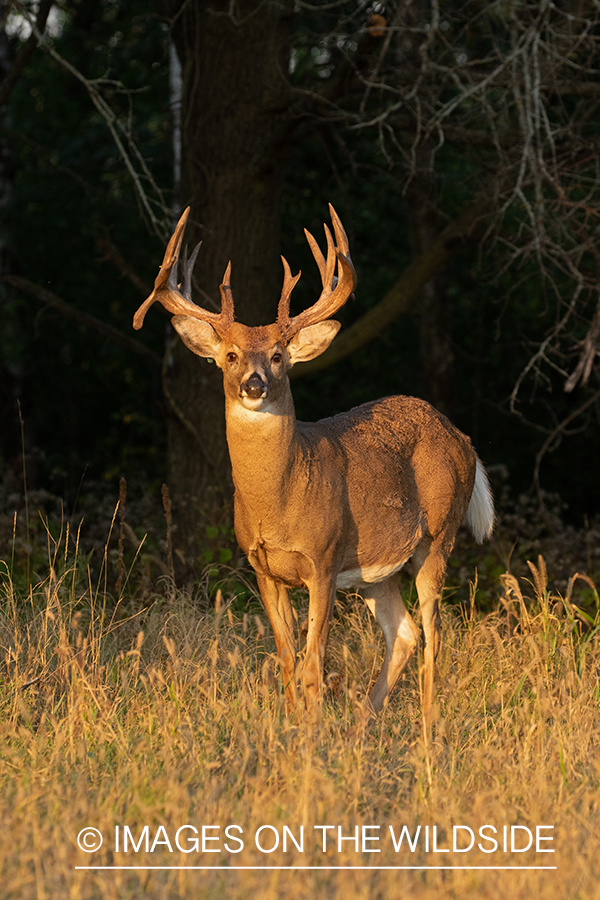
(11, 367)
(434, 304)
(234, 128)
(424, 223)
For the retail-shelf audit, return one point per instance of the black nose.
(254, 387)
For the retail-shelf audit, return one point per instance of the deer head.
(255, 361)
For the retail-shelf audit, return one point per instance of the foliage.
(71, 201)
(470, 96)
(172, 716)
(457, 98)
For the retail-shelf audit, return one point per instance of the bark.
(434, 302)
(424, 225)
(234, 62)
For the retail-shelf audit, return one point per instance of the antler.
(177, 298)
(333, 296)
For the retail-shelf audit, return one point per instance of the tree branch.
(112, 253)
(121, 133)
(24, 53)
(403, 293)
(108, 331)
(560, 428)
(118, 337)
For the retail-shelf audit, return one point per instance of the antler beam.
(177, 298)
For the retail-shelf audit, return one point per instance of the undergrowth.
(128, 702)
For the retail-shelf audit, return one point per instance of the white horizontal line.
(317, 868)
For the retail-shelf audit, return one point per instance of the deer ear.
(312, 340)
(198, 336)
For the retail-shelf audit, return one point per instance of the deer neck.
(264, 449)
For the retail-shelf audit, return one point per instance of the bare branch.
(82, 318)
(24, 53)
(560, 429)
(121, 135)
(404, 292)
(112, 253)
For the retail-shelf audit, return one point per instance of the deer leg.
(276, 600)
(320, 611)
(400, 634)
(430, 571)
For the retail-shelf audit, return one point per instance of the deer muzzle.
(255, 387)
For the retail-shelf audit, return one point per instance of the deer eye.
(232, 358)
(276, 358)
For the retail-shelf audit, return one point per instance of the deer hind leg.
(276, 600)
(430, 570)
(400, 634)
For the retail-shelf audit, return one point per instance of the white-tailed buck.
(340, 503)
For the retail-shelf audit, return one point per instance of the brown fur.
(344, 502)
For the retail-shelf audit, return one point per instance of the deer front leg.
(320, 610)
(276, 600)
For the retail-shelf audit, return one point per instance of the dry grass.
(175, 717)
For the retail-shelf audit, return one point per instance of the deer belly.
(353, 578)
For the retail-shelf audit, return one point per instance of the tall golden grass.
(173, 716)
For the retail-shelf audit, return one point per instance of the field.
(136, 707)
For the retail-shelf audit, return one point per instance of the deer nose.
(255, 387)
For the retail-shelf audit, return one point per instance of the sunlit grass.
(170, 713)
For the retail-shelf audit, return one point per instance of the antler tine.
(227, 295)
(169, 293)
(341, 238)
(169, 263)
(188, 268)
(333, 296)
(326, 267)
(289, 283)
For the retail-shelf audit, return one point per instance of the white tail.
(480, 512)
(340, 503)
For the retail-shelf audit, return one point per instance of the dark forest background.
(458, 142)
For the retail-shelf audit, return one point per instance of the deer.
(342, 503)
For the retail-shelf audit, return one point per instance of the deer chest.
(292, 567)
